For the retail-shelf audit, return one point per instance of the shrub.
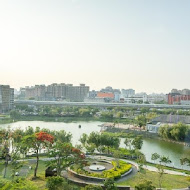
(59, 183)
(109, 184)
(114, 172)
(93, 187)
(21, 184)
(54, 182)
(3, 182)
(146, 185)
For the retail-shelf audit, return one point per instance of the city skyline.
(137, 44)
(91, 89)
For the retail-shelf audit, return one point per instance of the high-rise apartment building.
(6, 98)
(36, 92)
(56, 91)
(127, 93)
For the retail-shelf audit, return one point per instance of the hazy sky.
(140, 44)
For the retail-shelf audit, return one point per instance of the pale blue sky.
(140, 44)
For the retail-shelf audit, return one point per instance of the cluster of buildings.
(82, 93)
(6, 98)
(179, 97)
(55, 92)
(109, 94)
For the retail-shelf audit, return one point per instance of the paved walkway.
(154, 169)
(150, 168)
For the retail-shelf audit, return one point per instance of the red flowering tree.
(44, 137)
(36, 141)
(64, 155)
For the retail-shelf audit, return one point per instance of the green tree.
(119, 114)
(185, 161)
(109, 184)
(83, 139)
(94, 138)
(107, 115)
(64, 155)
(5, 136)
(109, 141)
(15, 114)
(84, 112)
(15, 164)
(117, 155)
(37, 141)
(141, 120)
(61, 136)
(137, 142)
(141, 160)
(155, 157)
(163, 160)
(90, 148)
(128, 142)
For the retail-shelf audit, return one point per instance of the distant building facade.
(56, 91)
(106, 96)
(179, 97)
(6, 98)
(36, 92)
(126, 93)
(109, 89)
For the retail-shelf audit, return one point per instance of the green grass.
(170, 168)
(6, 121)
(169, 181)
(40, 181)
(8, 173)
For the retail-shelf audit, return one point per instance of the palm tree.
(165, 160)
(155, 156)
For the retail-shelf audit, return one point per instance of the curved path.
(134, 170)
(150, 168)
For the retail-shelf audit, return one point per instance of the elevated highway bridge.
(99, 104)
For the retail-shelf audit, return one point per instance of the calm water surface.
(150, 146)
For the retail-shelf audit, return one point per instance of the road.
(99, 104)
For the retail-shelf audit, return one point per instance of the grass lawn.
(8, 173)
(40, 181)
(170, 168)
(169, 181)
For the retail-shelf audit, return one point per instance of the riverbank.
(143, 133)
(121, 125)
(63, 119)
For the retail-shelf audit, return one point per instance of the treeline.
(177, 132)
(15, 144)
(109, 144)
(74, 109)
